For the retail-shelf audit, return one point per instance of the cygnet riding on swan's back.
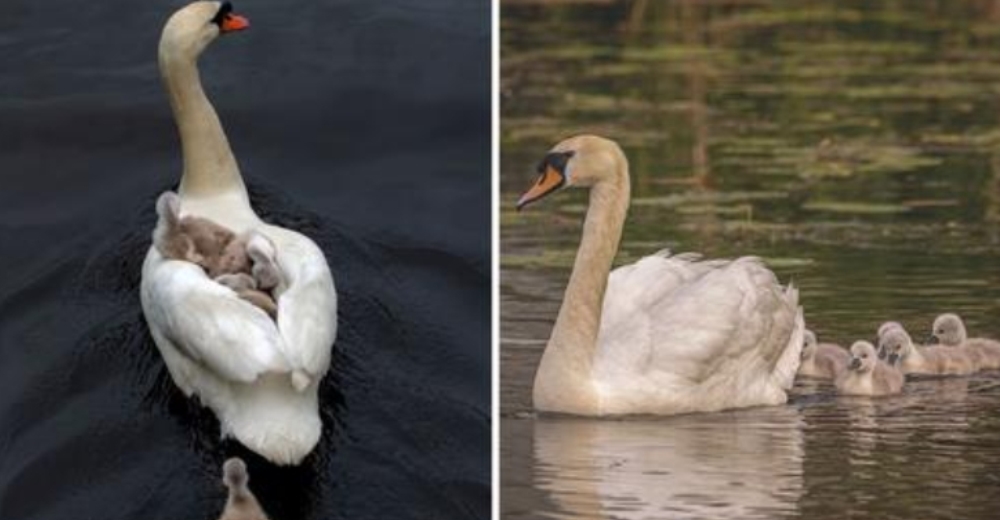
(244, 263)
(822, 360)
(668, 334)
(949, 330)
(259, 376)
(867, 375)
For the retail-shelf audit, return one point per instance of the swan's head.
(194, 26)
(897, 345)
(580, 161)
(882, 330)
(808, 344)
(948, 329)
(863, 357)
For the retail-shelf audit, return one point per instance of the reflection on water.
(736, 465)
(929, 453)
(856, 147)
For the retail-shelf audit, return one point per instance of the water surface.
(855, 148)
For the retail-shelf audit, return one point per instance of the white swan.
(668, 334)
(260, 378)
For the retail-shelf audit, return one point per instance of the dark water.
(853, 145)
(362, 124)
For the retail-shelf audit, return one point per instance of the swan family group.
(244, 313)
(865, 370)
(676, 333)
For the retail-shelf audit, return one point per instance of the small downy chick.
(867, 375)
(822, 360)
(241, 504)
(949, 330)
(933, 360)
(245, 263)
(883, 329)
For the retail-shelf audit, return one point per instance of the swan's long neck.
(209, 166)
(564, 379)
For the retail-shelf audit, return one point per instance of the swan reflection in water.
(744, 464)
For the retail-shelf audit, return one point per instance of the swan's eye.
(225, 10)
(556, 161)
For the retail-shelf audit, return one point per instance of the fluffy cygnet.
(933, 360)
(867, 375)
(821, 360)
(949, 330)
(241, 504)
(245, 263)
(884, 328)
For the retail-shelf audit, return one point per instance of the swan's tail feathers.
(689, 256)
(788, 363)
(274, 420)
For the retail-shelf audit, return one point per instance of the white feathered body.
(231, 354)
(681, 335)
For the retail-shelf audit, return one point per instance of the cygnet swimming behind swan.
(259, 376)
(883, 329)
(949, 330)
(241, 504)
(933, 360)
(822, 360)
(867, 375)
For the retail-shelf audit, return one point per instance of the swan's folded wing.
(307, 309)
(208, 323)
(639, 286)
(728, 319)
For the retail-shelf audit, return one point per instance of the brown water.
(857, 149)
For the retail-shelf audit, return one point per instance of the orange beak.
(550, 180)
(233, 22)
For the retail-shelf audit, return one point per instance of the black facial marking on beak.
(932, 340)
(224, 10)
(557, 160)
(893, 358)
(551, 177)
(855, 364)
